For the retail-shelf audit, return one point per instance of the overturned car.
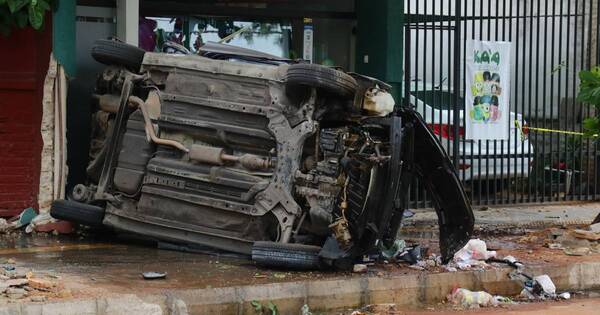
(295, 164)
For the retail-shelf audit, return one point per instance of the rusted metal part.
(278, 198)
(111, 155)
(138, 103)
(341, 232)
(206, 154)
(217, 156)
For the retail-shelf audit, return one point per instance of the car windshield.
(439, 99)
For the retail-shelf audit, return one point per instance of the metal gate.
(552, 41)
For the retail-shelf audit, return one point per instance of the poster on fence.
(487, 92)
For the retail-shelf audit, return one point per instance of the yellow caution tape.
(565, 132)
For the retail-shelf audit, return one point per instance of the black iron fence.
(552, 40)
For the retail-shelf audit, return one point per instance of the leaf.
(21, 19)
(589, 89)
(273, 308)
(16, 5)
(36, 16)
(258, 307)
(44, 5)
(591, 126)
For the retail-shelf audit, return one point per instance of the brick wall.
(23, 62)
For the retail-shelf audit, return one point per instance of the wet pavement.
(92, 265)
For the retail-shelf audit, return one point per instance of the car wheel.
(320, 77)
(110, 52)
(280, 255)
(77, 212)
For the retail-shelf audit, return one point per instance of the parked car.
(479, 160)
(295, 164)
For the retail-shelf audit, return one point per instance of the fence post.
(407, 65)
(456, 82)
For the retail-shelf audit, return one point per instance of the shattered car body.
(297, 165)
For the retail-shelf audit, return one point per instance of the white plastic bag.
(471, 299)
(473, 254)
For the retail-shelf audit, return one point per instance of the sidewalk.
(529, 216)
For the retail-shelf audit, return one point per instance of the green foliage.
(260, 309)
(23, 13)
(589, 92)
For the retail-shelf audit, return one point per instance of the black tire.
(320, 77)
(77, 212)
(288, 256)
(110, 52)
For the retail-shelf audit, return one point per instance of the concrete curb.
(321, 295)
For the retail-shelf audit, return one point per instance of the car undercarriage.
(295, 164)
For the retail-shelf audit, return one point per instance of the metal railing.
(552, 40)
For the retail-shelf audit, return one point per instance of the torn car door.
(432, 164)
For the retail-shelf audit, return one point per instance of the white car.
(479, 159)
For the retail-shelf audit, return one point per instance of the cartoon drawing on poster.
(488, 90)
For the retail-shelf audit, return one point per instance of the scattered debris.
(543, 284)
(470, 299)
(400, 252)
(24, 218)
(577, 242)
(41, 284)
(59, 226)
(411, 255)
(15, 293)
(394, 250)
(359, 268)
(279, 275)
(45, 223)
(4, 225)
(555, 246)
(579, 251)
(474, 254)
(152, 275)
(17, 222)
(408, 213)
(260, 276)
(565, 295)
(305, 310)
(38, 298)
(17, 283)
(595, 227)
(379, 309)
(538, 288)
(511, 260)
(450, 268)
(588, 235)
